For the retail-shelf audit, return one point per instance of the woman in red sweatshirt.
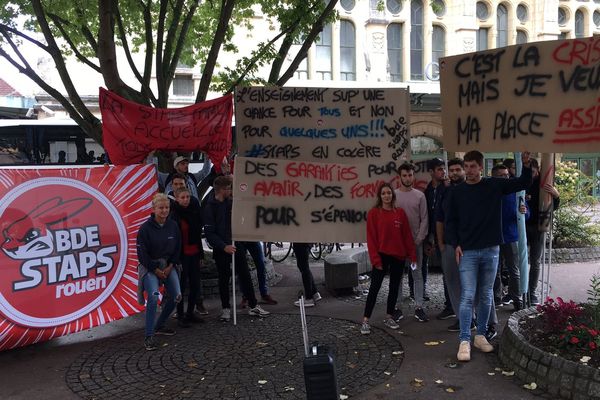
(390, 243)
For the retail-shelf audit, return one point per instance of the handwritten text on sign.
(294, 200)
(539, 96)
(324, 124)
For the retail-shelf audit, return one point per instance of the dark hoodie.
(217, 223)
(155, 242)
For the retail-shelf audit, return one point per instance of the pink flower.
(574, 340)
(570, 328)
(592, 345)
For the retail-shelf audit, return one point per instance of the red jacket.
(388, 232)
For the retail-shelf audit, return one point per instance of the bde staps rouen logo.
(63, 251)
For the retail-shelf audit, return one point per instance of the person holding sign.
(390, 244)
(474, 220)
(158, 250)
(535, 237)
(217, 227)
(413, 202)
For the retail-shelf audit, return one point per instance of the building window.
(394, 50)
(521, 37)
(438, 50)
(597, 18)
(438, 7)
(302, 70)
(579, 24)
(482, 39)
(394, 6)
(562, 16)
(482, 11)
(347, 5)
(323, 54)
(522, 13)
(347, 51)
(183, 85)
(416, 40)
(502, 26)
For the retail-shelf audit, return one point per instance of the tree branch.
(160, 68)
(185, 28)
(308, 42)
(211, 60)
(59, 24)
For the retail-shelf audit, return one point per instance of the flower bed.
(535, 357)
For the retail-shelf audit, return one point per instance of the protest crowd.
(466, 220)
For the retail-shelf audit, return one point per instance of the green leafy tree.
(167, 33)
(572, 224)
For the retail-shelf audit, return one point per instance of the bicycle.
(277, 251)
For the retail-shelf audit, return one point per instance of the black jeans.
(223, 261)
(190, 275)
(535, 239)
(302, 250)
(395, 268)
(510, 254)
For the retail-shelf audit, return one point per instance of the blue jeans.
(256, 252)
(477, 270)
(151, 284)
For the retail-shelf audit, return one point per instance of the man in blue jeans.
(475, 222)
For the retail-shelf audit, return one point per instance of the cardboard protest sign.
(305, 201)
(68, 248)
(540, 96)
(131, 130)
(322, 124)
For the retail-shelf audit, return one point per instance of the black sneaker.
(165, 331)
(397, 315)
(446, 314)
(456, 326)
(420, 315)
(506, 300)
(149, 343)
(491, 333)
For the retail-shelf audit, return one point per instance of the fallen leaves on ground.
(531, 386)
(449, 390)
(262, 382)
(585, 359)
(508, 373)
(434, 343)
(397, 353)
(439, 381)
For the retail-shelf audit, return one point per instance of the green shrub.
(572, 224)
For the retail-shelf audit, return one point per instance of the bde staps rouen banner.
(67, 257)
(540, 96)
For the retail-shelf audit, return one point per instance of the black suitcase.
(320, 377)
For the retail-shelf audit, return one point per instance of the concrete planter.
(552, 374)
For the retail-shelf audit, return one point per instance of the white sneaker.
(307, 303)
(258, 312)
(225, 315)
(365, 329)
(464, 351)
(317, 296)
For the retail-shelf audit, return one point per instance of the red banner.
(68, 256)
(131, 130)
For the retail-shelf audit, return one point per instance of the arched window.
(323, 54)
(347, 51)
(438, 50)
(394, 51)
(521, 37)
(502, 26)
(579, 24)
(416, 40)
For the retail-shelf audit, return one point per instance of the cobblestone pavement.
(258, 359)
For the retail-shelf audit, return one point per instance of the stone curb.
(552, 374)
(581, 254)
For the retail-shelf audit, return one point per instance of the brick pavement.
(260, 359)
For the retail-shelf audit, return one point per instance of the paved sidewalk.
(262, 358)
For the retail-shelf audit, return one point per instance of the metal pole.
(522, 244)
